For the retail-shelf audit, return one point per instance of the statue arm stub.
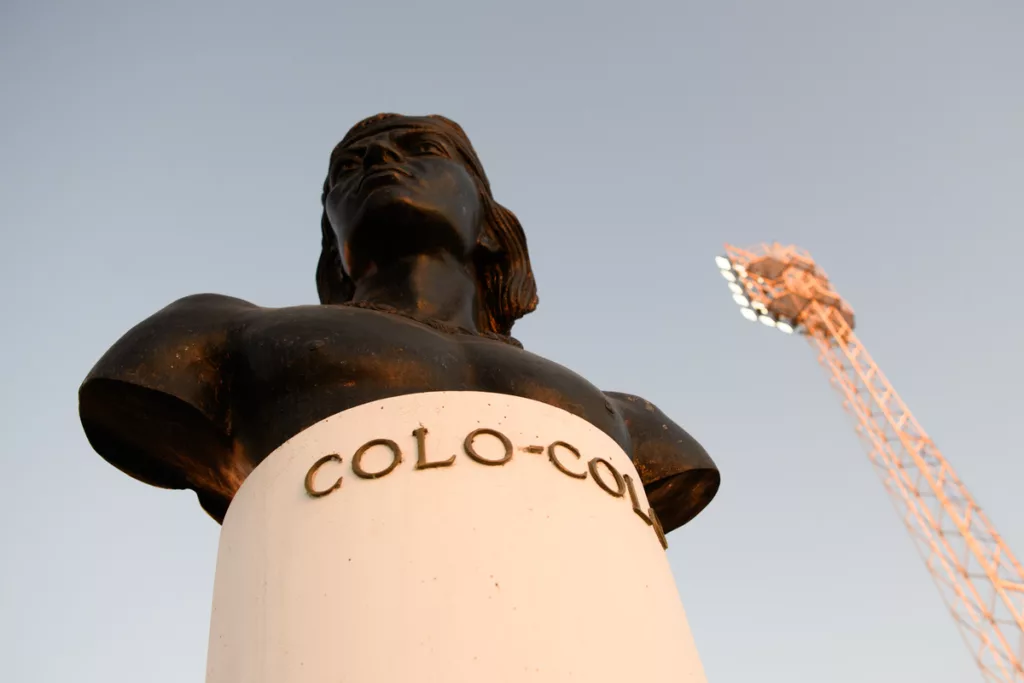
(679, 477)
(155, 404)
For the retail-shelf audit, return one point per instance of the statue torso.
(200, 393)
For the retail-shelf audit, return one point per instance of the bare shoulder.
(679, 476)
(153, 405)
(187, 326)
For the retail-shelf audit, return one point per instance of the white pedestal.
(346, 563)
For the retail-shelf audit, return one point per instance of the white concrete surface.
(461, 572)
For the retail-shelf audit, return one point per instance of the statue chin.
(388, 204)
(394, 225)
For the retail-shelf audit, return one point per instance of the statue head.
(402, 185)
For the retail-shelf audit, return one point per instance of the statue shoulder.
(679, 476)
(200, 310)
(176, 349)
(154, 404)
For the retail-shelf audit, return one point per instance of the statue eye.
(344, 165)
(430, 147)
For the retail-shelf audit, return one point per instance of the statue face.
(399, 193)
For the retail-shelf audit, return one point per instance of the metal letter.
(562, 468)
(312, 473)
(620, 486)
(396, 457)
(471, 452)
(421, 452)
(657, 528)
(635, 499)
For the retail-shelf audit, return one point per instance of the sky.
(154, 150)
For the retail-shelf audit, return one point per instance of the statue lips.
(382, 176)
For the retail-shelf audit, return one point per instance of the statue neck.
(430, 286)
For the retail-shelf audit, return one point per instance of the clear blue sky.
(153, 150)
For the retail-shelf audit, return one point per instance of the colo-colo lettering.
(604, 474)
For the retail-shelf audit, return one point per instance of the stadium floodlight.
(975, 571)
(751, 310)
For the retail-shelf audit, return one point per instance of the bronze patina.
(421, 277)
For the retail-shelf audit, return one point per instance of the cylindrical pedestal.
(449, 537)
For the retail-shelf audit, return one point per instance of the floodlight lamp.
(728, 275)
(735, 288)
(748, 314)
(784, 327)
(760, 307)
(723, 263)
(767, 320)
(741, 300)
(739, 268)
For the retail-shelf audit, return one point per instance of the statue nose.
(380, 153)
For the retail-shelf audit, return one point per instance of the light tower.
(980, 580)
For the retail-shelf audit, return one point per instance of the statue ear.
(333, 285)
(487, 241)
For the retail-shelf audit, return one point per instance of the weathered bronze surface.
(421, 277)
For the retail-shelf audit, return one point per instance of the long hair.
(505, 277)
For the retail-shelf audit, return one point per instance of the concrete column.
(449, 537)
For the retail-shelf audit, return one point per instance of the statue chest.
(295, 367)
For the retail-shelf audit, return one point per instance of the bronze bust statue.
(421, 277)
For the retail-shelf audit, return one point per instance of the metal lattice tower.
(981, 582)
